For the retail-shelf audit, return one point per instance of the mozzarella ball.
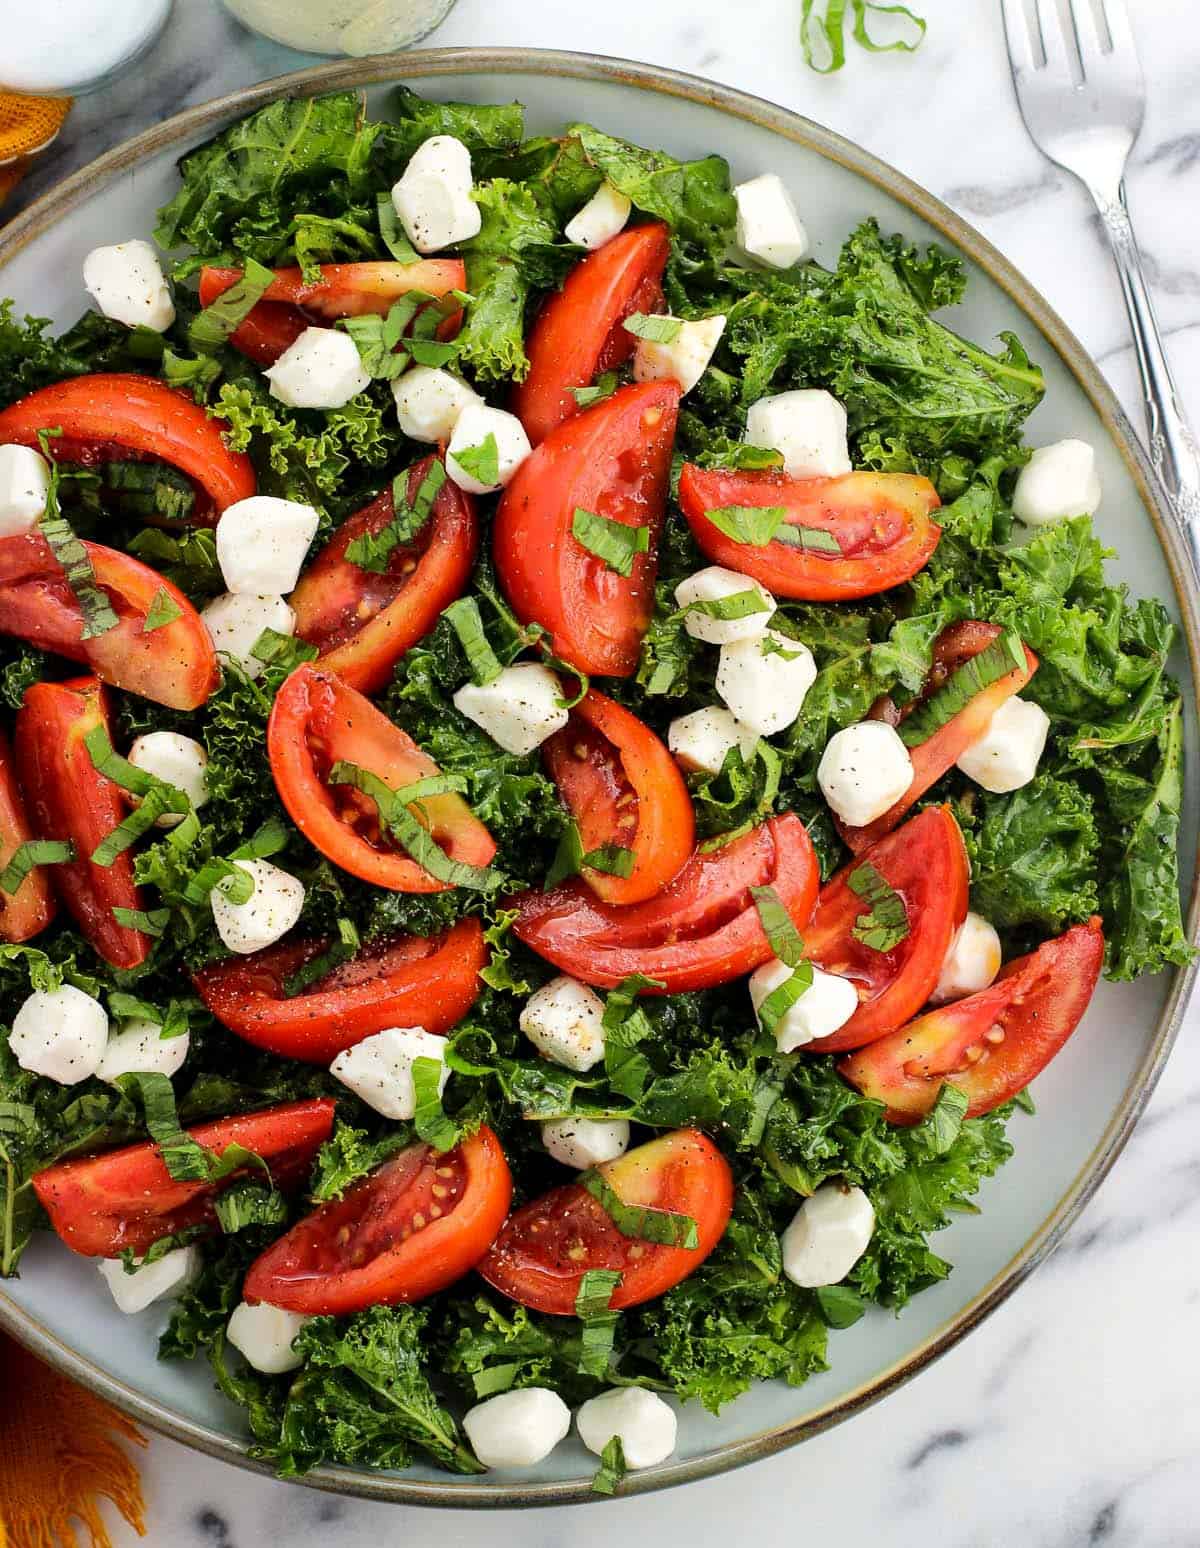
(268, 914)
(519, 709)
(60, 1033)
(645, 1424)
(177, 760)
(126, 282)
(24, 486)
(321, 370)
(139, 1048)
(1007, 755)
(765, 681)
(713, 585)
(433, 198)
(971, 963)
(262, 542)
(472, 428)
(702, 739)
(807, 426)
(264, 1335)
(151, 1282)
(429, 402)
(235, 624)
(1058, 481)
(564, 1022)
(824, 1007)
(585, 1142)
(684, 359)
(379, 1069)
(768, 227)
(517, 1429)
(600, 219)
(864, 770)
(828, 1235)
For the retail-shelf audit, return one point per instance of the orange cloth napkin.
(27, 125)
(59, 1456)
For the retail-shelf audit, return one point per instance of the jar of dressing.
(342, 26)
(66, 47)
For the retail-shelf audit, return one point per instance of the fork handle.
(1173, 451)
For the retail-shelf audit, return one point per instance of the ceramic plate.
(1090, 1098)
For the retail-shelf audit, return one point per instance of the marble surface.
(1071, 1416)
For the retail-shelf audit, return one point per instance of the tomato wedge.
(700, 931)
(992, 1044)
(931, 758)
(118, 415)
(344, 290)
(578, 333)
(318, 720)
(925, 861)
(31, 907)
(613, 460)
(623, 787)
(545, 1249)
(402, 981)
(362, 623)
(101, 1205)
(174, 664)
(69, 800)
(880, 522)
(403, 1232)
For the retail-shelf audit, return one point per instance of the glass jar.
(342, 26)
(67, 47)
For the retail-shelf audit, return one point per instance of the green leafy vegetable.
(612, 1468)
(657, 328)
(162, 610)
(757, 525)
(464, 615)
(639, 1220)
(612, 541)
(885, 924)
(210, 328)
(822, 31)
(29, 854)
(373, 550)
(1002, 657)
(482, 462)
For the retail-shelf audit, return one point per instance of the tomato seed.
(418, 1221)
(580, 750)
(973, 1054)
(996, 1035)
(435, 1211)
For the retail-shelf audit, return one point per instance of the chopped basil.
(612, 859)
(282, 651)
(886, 925)
(429, 1118)
(432, 352)
(236, 884)
(625, 1026)
(603, 387)
(758, 525)
(342, 950)
(656, 329)
(173, 1022)
(163, 610)
(612, 541)
(738, 604)
(150, 922)
(152, 490)
(599, 1322)
(1005, 654)
(840, 1306)
(184, 1158)
(639, 1221)
(380, 359)
(568, 857)
(778, 926)
(612, 1468)
(28, 855)
(467, 623)
(941, 1124)
(266, 841)
(210, 328)
(72, 555)
(373, 550)
(161, 799)
(395, 238)
(781, 999)
(481, 462)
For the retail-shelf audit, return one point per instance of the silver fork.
(1088, 125)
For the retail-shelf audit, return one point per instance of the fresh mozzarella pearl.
(429, 401)
(972, 962)
(584, 1142)
(519, 709)
(863, 771)
(645, 1423)
(517, 1429)
(138, 1048)
(24, 485)
(150, 1282)
(126, 282)
(807, 426)
(321, 370)
(702, 739)
(265, 1334)
(380, 1068)
(262, 542)
(711, 585)
(269, 913)
(176, 759)
(685, 359)
(433, 198)
(600, 219)
(765, 681)
(60, 1033)
(235, 624)
(1006, 756)
(768, 227)
(1057, 481)
(828, 1235)
(472, 428)
(564, 1022)
(827, 1004)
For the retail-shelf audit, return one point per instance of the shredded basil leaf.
(465, 617)
(1005, 654)
(822, 32)
(284, 652)
(603, 387)
(886, 925)
(373, 550)
(568, 857)
(342, 950)
(640, 1221)
(738, 604)
(599, 1323)
(941, 1124)
(395, 238)
(163, 610)
(429, 1118)
(778, 926)
(612, 1468)
(210, 328)
(30, 854)
(758, 525)
(184, 1158)
(781, 999)
(71, 553)
(380, 360)
(148, 921)
(612, 859)
(657, 328)
(481, 462)
(612, 541)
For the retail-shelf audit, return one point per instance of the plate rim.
(428, 64)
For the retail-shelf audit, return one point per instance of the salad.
(564, 767)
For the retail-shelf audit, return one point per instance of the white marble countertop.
(1070, 1417)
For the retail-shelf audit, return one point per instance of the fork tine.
(1119, 29)
(1020, 40)
(1092, 45)
(1054, 43)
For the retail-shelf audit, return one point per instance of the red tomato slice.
(101, 1205)
(404, 1232)
(404, 981)
(545, 1249)
(174, 664)
(31, 907)
(615, 461)
(578, 333)
(700, 931)
(69, 800)
(362, 623)
(926, 862)
(881, 522)
(992, 1044)
(317, 721)
(118, 415)
(623, 787)
(931, 758)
